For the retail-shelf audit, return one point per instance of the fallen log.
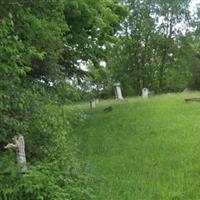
(192, 100)
(108, 109)
(9, 173)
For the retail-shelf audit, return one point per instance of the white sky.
(193, 5)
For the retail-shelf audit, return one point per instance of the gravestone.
(93, 104)
(118, 92)
(145, 92)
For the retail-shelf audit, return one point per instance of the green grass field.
(144, 149)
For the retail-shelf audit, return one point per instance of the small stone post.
(93, 104)
(118, 92)
(19, 145)
(145, 92)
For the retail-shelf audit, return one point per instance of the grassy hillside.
(144, 149)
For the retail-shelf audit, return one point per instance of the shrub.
(54, 170)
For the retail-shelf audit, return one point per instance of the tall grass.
(144, 149)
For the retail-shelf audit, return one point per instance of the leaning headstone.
(93, 104)
(118, 92)
(145, 92)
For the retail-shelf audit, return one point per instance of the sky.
(193, 5)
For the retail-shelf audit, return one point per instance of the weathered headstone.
(93, 104)
(145, 92)
(118, 92)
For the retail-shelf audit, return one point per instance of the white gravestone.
(93, 103)
(145, 92)
(118, 92)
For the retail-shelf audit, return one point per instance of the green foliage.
(92, 27)
(12, 51)
(46, 182)
(66, 93)
(41, 33)
(54, 171)
(41, 45)
(151, 48)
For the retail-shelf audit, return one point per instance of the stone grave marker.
(92, 103)
(145, 92)
(118, 92)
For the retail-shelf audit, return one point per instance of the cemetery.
(99, 100)
(144, 149)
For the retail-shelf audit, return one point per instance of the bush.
(33, 109)
(66, 93)
(54, 172)
(47, 182)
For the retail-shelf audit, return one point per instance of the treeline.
(157, 47)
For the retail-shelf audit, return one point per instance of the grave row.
(118, 95)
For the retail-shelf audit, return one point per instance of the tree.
(92, 28)
(172, 15)
(148, 51)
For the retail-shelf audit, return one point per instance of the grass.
(144, 149)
